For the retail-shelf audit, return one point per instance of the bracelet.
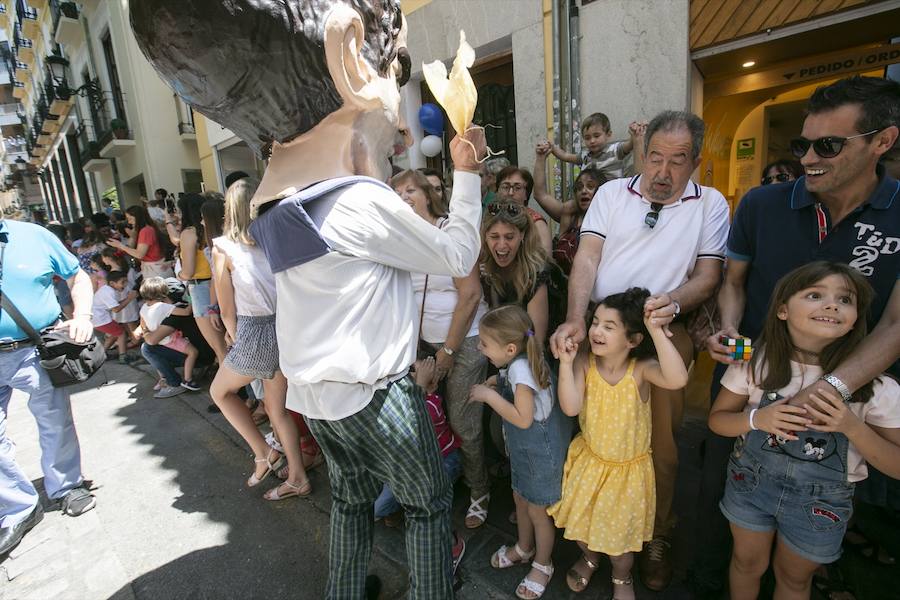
(752, 426)
(839, 385)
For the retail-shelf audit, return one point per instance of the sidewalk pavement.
(174, 518)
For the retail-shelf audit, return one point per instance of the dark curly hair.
(630, 306)
(258, 67)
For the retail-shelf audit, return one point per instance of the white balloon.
(431, 145)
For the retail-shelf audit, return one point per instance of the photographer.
(31, 254)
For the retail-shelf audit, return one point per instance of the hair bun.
(638, 295)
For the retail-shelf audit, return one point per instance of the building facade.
(93, 117)
(745, 66)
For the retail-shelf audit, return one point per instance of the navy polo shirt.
(776, 229)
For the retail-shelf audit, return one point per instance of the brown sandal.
(578, 582)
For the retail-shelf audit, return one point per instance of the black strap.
(10, 308)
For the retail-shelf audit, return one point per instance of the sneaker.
(459, 548)
(190, 384)
(168, 391)
(127, 359)
(656, 565)
(77, 502)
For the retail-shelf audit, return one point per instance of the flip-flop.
(304, 489)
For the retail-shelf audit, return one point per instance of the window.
(118, 97)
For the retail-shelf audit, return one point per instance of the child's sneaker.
(459, 548)
(190, 384)
(168, 391)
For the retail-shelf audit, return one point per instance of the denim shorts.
(810, 517)
(200, 298)
(537, 456)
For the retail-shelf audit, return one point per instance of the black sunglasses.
(509, 208)
(779, 177)
(652, 217)
(826, 147)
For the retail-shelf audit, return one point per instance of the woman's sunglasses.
(509, 208)
(826, 147)
(779, 177)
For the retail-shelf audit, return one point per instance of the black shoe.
(373, 587)
(11, 536)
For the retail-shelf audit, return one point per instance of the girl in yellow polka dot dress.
(608, 494)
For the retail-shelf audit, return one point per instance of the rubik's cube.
(740, 348)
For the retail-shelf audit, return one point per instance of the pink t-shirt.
(445, 436)
(883, 410)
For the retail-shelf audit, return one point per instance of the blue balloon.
(431, 119)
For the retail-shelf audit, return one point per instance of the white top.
(518, 372)
(251, 277)
(156, 213)
(882, 410)
(153, 316)
(440, 302)
(130, 313)
(105, 298)
(346, 321)
(662, 258)
(610, 160)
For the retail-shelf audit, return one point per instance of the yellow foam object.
(455, 93)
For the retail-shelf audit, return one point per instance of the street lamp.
(57, 66)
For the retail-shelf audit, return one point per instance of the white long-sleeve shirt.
(346, 314)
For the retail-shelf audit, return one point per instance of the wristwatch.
(447, 350)
(839, 385)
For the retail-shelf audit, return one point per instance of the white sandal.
(477, 512)
(254, 481)
(501, 561)
(533, 586)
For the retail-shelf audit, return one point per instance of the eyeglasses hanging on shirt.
(652, 217)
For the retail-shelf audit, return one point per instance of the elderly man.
(845, 209)
(661, 231)
(324, 98)
(29, 257)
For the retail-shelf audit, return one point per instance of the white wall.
(634, 59)
(491, 26)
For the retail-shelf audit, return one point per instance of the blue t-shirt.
(32, 257)
(776, 229)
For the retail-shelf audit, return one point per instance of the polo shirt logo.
(876, 244)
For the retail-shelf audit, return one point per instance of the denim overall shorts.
(797, 488)
(537, 455)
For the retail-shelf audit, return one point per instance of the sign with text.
(824, 66)
(746, 149)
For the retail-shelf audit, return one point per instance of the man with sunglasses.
(845, 209)
(661, 231)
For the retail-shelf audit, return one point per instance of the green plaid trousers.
(390, 441)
